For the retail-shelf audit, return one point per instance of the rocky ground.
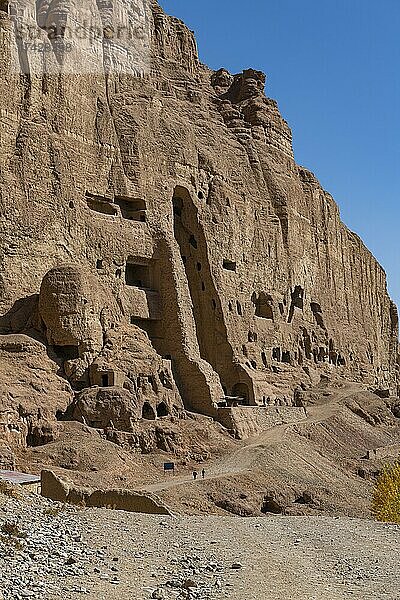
(51, 551)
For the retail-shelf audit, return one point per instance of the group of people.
(195, 474)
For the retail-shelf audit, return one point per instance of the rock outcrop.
(159, 240)
(31, 395)
(58, 489)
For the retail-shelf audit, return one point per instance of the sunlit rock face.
(171, 202)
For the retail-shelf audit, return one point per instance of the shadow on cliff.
(23, 318)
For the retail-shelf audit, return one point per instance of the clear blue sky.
(334, 68)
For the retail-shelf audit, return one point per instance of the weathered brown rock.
(31, 393)
(55, 488)
(158, 227)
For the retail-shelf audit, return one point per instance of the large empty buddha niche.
(207, 311)
(137, 274)
(132, 209)
(148, 412)
(101, 205)
(190, 239)
(263, 305)
(241, 391)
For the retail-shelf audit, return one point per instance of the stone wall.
(245, 421)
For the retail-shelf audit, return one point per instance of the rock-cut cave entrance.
(162, 410)
(148, 412)
(241, 390)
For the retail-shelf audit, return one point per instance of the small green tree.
(386, 495)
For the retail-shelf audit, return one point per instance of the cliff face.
(158, 227)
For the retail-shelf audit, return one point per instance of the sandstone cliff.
(158, 238)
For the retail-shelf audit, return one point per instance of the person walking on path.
(194, 475)
(203, 473)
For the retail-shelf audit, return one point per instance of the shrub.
(386, 495)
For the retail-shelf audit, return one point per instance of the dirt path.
(245, 456)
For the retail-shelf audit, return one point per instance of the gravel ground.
(71, 553)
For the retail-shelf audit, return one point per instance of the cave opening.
(132, 209)
(229, 265)
(263, 305)
(162, 410)
(241, 391)
(66, 352)
(148, 412)
(137, 274)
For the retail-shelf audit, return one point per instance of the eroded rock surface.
(160, 242)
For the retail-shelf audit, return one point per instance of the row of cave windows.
(277, 355)
(138, 275)
(284, 356)
(107, 379)
(132, 209)
(149, 414)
